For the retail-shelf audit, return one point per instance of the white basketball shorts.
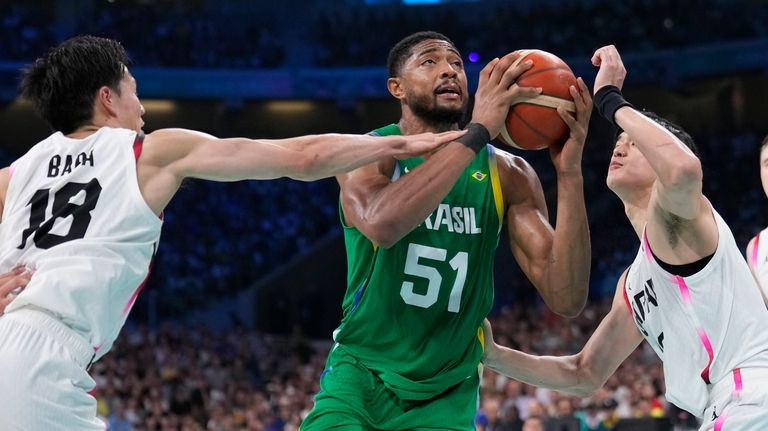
(43, 380)
(738, 402)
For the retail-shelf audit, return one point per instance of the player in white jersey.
(689, 291)
(81, 210)
(757, 249)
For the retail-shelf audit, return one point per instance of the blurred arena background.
(232, 330)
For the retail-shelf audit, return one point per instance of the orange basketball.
(534, 124)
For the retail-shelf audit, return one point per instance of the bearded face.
(435, 83)
(428, 107)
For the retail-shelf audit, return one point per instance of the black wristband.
(476, 138)
(608, 100)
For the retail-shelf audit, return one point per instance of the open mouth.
(448, 95)
(448, 90)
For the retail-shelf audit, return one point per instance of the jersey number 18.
(62, 208)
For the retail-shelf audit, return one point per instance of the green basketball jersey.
(413, 312)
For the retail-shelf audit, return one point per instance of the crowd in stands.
(219, 238)
(242, 34)
(156, 33)
(567, 28)
(183, 378)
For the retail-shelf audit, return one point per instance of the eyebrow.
(431, 50)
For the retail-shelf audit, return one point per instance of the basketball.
(533, 124)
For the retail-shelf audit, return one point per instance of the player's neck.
(84, 131)
(93, 126)
(636, 209)
(637, 217)
(410, 124)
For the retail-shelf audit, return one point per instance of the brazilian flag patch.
(479, 176)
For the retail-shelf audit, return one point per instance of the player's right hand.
(612, 71)
(567, 157)
(497, 90)
(11, 283)
(422, 143)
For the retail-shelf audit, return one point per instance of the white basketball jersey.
(702, 326)
(74, 214)
(759, 258)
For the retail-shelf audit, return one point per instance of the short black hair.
(673, 128)
(62, 84)
(764, 143)
(402, 50)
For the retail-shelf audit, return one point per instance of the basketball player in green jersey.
(421, 236)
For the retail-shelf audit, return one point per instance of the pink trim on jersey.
(135, 295)
(754, 251)
(138, 144)
(710, 352)
(646, 246)
(738, 385)
(626, 299)
(720, 422)
(686, 294)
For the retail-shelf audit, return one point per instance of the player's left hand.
(611, 69)
(567, 158)
(11, 283)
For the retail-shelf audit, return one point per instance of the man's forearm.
(569, 265)
(331, 154)
(553, 372)
(400, 206)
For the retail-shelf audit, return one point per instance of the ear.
(395, 87)
(105, 102)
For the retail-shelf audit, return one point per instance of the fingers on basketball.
(533, 123)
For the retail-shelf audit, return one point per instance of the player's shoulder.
(173, 143)
(512, 165)
(170, 134)
(386, 169)
(518, 178)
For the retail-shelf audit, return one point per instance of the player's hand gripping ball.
(533, 123)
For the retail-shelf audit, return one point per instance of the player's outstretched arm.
(170, 155)
(197, 155)
(581, 374)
